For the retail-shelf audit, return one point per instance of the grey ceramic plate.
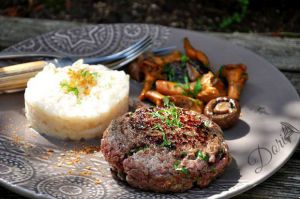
(261, 142)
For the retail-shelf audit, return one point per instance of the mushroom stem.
(162, 60)
(149, 81)
(168, 88)
(154, 97)
(194, 53)
(236, 76)
(152, 72)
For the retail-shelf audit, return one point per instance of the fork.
(16, 76)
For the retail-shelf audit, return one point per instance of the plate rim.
(30, 193)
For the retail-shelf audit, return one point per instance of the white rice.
(52, 111)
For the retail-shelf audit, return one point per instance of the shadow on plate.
(239, 130)
(227, 181)
(72, 145)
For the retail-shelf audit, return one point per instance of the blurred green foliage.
(237, 17)
(208, 15)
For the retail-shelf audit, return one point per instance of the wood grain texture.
(284, 184)
(284, 53)
(294, 78)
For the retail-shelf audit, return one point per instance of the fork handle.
(16, 76)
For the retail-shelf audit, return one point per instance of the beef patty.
(165, 149)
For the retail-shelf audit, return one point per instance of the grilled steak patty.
(165, 149)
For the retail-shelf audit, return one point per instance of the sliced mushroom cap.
(223, 111)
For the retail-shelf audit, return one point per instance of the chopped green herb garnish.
(69, 89)
(158, 127)
(80, 82)
(84, 73)
(64, 83)
(156, 114)
(166, 142)
(186, 80)
(174, 120)
(184, 58)
(187, 87)
(169, 115)
(95, 74)
(207, 123)
(202, 156)
(182, 169)
(170, 72)
(167, 102)
(197, 88)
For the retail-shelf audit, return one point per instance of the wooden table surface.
(284, 53)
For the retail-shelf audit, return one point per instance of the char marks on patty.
(165, 149)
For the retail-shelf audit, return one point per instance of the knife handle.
(16, 76)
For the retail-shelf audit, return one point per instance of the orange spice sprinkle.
(85, 173)
(98, 181)
(50, 151)
(16, 138)
(80, 82)
(70, 172)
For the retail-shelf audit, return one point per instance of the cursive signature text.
(262, 156)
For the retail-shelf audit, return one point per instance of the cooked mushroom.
(193, 53)
(178, 70)
(212, 87)
(152, 72)
(179, 100)
(192, 72)
(236, 76)
(168, 88)
(155, 97)
(150, 68)
(187, 103)
(162, 60)
(223, 111)
(135, 69)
